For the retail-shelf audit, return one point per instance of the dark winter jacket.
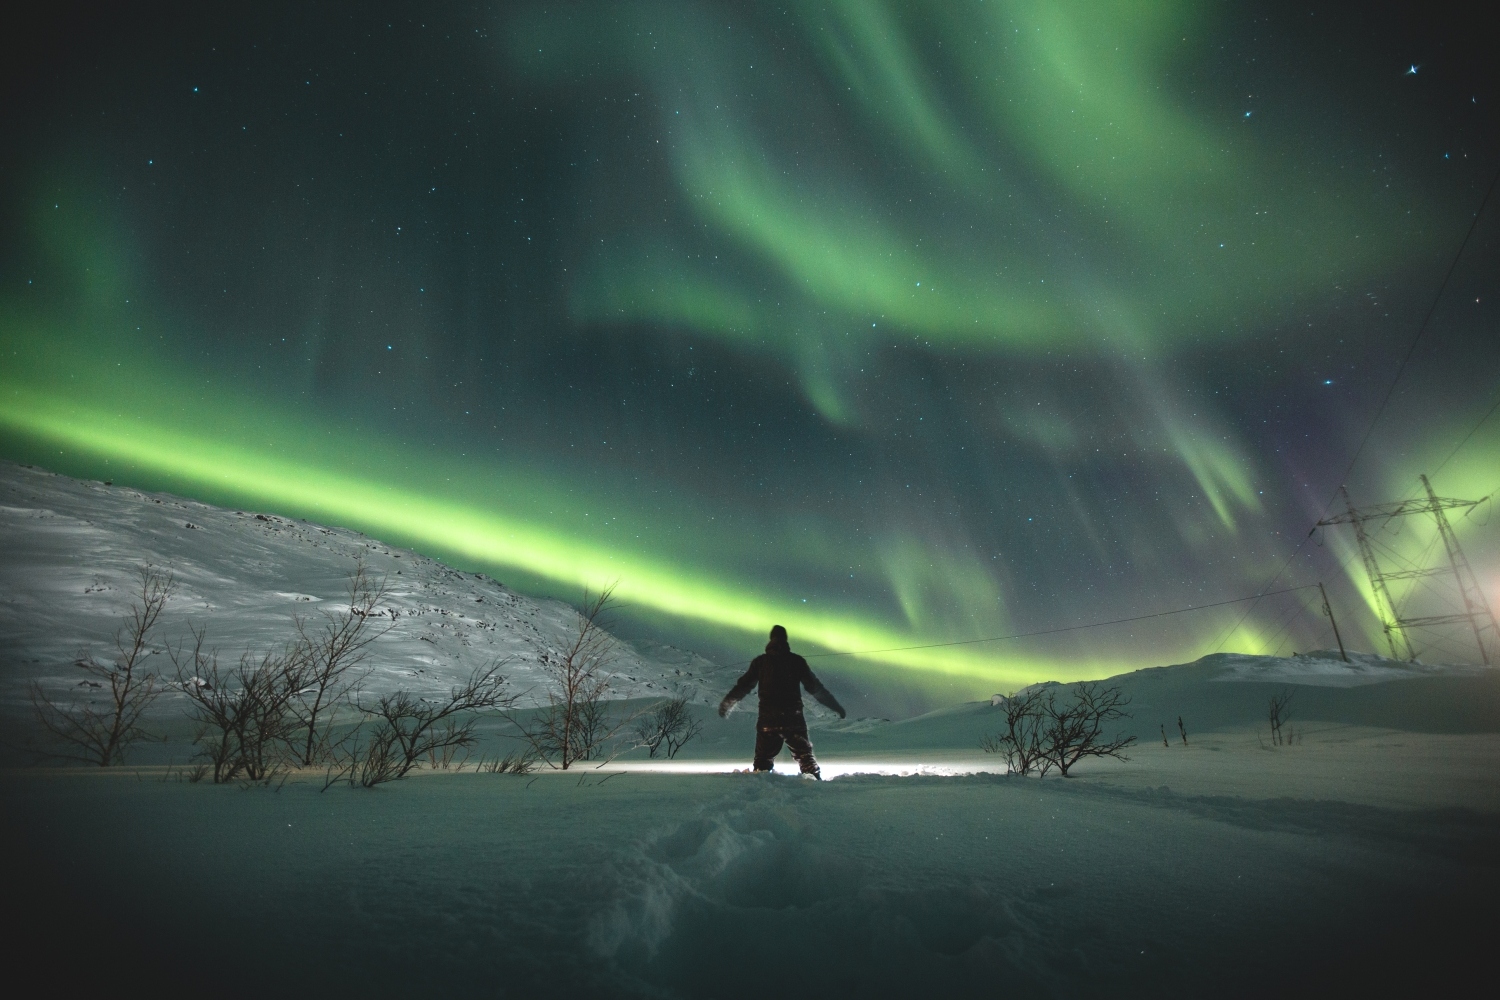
(780, 674)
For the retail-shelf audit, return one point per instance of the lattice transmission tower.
(1476, 610)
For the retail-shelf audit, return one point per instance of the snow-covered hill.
(1327, 668)
(71, 550)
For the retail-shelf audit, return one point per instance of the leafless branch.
(408, 728)
(1076, 730)
(101, 732)
(575, 724)
(523, 761)
(333, 649)
(668, 726)
(244, 714)
(1280, 712)
(1021, 740)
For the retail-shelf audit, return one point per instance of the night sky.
(895, 323)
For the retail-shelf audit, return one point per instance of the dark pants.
(770, 734)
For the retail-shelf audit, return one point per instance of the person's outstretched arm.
(825, 697)
(742, 687)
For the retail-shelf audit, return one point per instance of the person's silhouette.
(780, 674)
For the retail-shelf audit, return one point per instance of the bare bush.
(518, 762)
(575, 724)
(365, 764)
(1020, 742)
(408, 728)
(1076, 730)
(101, 733)
(670, 725)
(1280, 712)
(244, 714)
(332, 650)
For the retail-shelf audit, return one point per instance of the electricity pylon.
(1328, 610)
(1476, 611)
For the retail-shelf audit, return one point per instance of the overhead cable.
(1068, 628)
(1380, 411)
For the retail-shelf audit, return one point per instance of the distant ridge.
(72, 549)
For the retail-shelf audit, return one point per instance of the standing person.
(780, 673)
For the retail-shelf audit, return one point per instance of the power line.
(1266, 592)
(1410, 494)
(1069, 628)
(1472, 430)
(1283, 631)
(1431, 311)
(1379, 412)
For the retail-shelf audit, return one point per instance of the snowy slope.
(70, 552)
(1325, 668)
(1229, 692)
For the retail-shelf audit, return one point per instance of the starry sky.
(896, 323)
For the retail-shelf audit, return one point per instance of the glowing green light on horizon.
(277, 476)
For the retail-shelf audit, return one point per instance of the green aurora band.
(193, 447)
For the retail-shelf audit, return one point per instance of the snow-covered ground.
(1327, 668)
(72, 551)
(1350, 861)
(1191, 872)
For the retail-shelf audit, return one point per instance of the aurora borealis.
(897, 323)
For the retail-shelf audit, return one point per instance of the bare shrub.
(442, 756)
(669, 725)
(332, 650)
(407, 729)
(575, 724)
(522, 761)
(1280, 712)
(367, 764)
(244, 714)
(1076, 730)
(101, 732)
(1020, 742)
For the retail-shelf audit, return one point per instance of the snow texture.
(750, 886)
(1325, 668)
(73, 551)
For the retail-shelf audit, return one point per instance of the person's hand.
(724, 707)
(828, 701)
